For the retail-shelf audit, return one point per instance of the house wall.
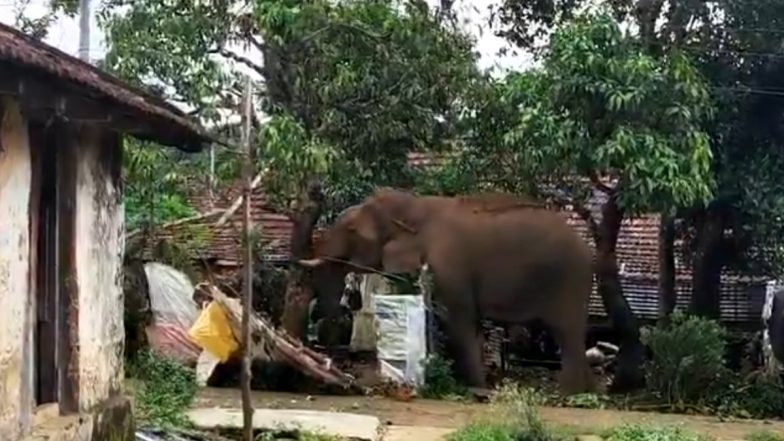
(99, 251)
(16, 351)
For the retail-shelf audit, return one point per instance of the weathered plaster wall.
(16, 380)
(99, 251)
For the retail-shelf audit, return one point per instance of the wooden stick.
(247, 406)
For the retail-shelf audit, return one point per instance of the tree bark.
(647, 13)
(628, 373)
(667, 294)
(298, 289)
(707, 265)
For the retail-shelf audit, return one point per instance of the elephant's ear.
(402, 254)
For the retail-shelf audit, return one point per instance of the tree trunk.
(667, 294)
(707, 265)
(628, 373)
(298, 289)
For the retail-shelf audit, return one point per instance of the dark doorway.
(44, 158)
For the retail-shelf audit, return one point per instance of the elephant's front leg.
(467, 341)
(461, 320)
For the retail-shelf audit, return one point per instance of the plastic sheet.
(212, 331)
(173, 313)
(402, 342)
(205, 366)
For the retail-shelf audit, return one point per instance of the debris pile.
(270, 344)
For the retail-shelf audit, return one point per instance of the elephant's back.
(519, 227)
(529, 238)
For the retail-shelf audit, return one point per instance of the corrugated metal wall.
(741, 301)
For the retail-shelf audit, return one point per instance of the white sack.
(402, 343)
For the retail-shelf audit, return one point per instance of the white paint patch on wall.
(15, 183)
(99, 242)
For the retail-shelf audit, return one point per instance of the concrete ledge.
(111, 421)
(345, 425)
(114, 421)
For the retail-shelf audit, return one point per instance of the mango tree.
(604, 117)
(737, 47)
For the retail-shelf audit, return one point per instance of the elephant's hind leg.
(576, 375)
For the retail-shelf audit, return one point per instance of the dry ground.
(450, 415)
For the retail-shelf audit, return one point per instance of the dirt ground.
(451, 415)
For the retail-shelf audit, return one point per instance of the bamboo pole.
(247, 406)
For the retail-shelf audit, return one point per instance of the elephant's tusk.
(311, 263)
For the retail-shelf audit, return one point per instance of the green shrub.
(687, 357)
(517, 406)
(643, 433)
(755, 396)
(763, 396)
(440, 380)
(512, 416)
(585, 401)
(764, 435)
(484, 431)
(166, 390)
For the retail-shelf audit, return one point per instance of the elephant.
(492, 256)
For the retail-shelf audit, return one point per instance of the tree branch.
(583, 211)
(258, 44)
(240, 59)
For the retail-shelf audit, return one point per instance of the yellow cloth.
(213, 333)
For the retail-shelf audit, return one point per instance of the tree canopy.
(351, 86)
(600, 107)
(736, 46)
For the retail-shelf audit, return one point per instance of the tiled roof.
(224, 240)
(157, 119)
(424, 160)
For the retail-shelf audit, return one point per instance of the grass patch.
(647, 433)
(586, 401)
(483, 431)
(764, 435)
(164, 390)
(513, 416)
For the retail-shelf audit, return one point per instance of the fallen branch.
(178, 222)
(237, 202)
(269, 343)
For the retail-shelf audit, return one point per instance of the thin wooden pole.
(247, 406)
(84, 30)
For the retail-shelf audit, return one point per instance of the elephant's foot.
(629, 375)
(576, 380)
(481, 394)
